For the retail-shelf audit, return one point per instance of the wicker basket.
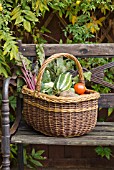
(60, 116)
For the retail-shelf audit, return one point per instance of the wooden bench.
(21, 133)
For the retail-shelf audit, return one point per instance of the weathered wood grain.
(104, 141)
(96, 50)
(103, 134)
(106, 100)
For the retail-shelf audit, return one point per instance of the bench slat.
(106, 100)
(99, 136)
(63, 141)
(82, 50)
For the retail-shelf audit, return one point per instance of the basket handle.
(55, 56)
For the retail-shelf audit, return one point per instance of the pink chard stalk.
(29, 77)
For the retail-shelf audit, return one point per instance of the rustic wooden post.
(20, 156)
(5, 143)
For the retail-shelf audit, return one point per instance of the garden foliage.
(20, 19)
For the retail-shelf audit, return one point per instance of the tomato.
(79, 88)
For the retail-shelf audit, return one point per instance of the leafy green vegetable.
(104, 151)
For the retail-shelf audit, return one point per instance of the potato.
(68, 93)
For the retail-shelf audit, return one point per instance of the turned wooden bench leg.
(5, 142)
(20, 156)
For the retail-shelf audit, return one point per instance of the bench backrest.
(105, 50)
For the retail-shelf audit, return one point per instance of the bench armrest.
(5, 140)
(5, 121)
(5, 108)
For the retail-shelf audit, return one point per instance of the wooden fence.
(55, 24)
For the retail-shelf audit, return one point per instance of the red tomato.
(79, 88)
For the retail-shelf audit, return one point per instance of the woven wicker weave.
(60, 116)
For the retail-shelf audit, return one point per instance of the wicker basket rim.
(52, 98)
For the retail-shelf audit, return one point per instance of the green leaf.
(27, 25)
(99, 150)
(19, 20)
(40, 53)
(30, 16)
(39, 157)
(44, 29)
(35, 162)
(107, 156)
(26, 61)
(16, 15)
(107, 152)
(25, 156)
(61, 68)
(20, 83)
(31, 19)
(40, 152)
(12, 101)
(14, 150)
(13, 52)
(103, 151)
(33, 152)
(60, 13)
(3, 71)
(15, 10)
(110, 110)
(76, 79)
(6, 45)
(12, 55)
(46, 77)
(87, 75)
